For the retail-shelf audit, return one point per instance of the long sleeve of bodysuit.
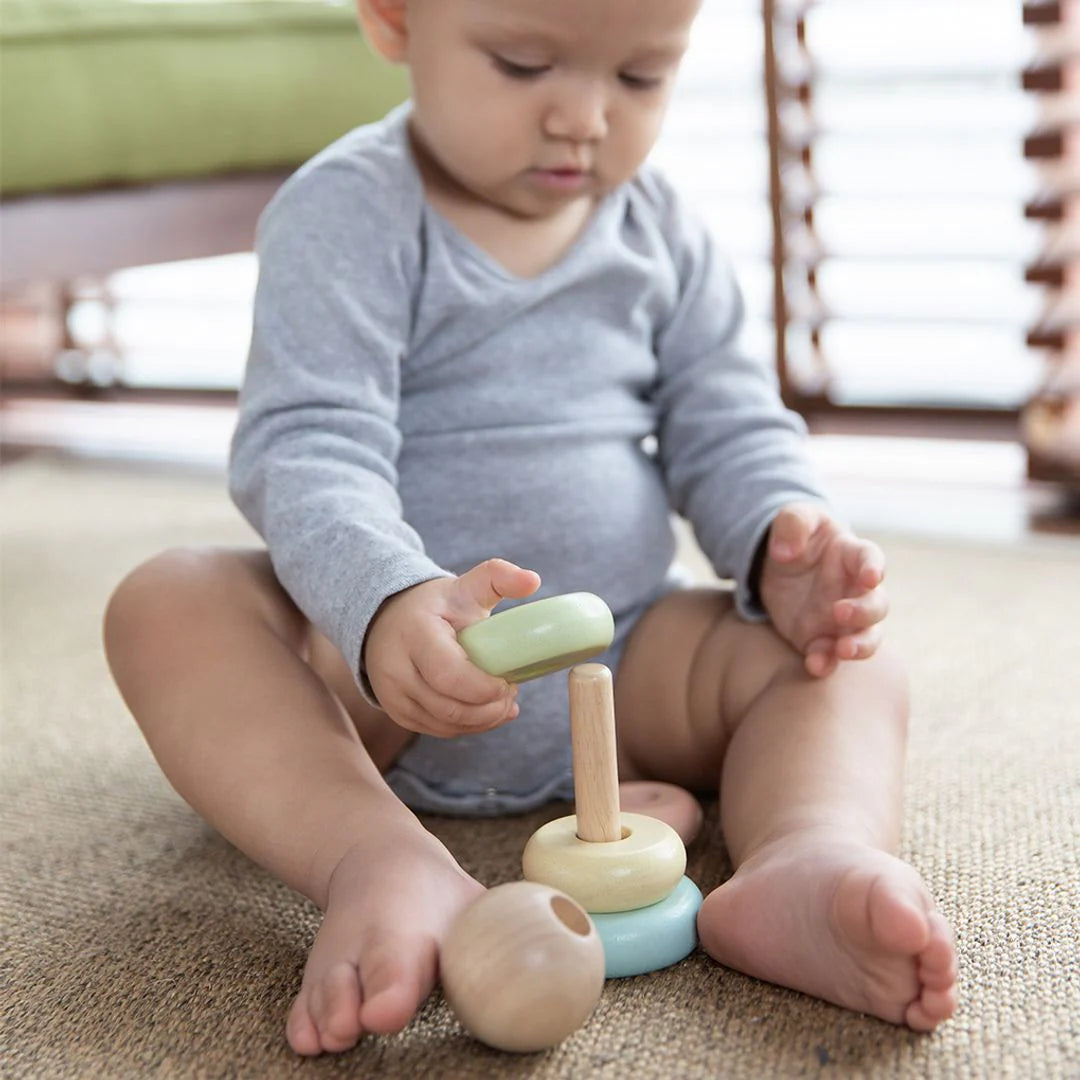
(732, 454)
(313, 462)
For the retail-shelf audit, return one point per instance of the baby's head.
(530, 104)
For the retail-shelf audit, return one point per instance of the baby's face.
(530, 105)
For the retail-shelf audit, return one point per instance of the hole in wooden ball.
(570, 915)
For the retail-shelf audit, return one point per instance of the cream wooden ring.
(640, 869)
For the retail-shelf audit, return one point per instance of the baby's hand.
(821, 586)
(420, 673)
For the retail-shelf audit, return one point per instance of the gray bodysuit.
(412, 408)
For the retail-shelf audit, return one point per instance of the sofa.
(142, 131)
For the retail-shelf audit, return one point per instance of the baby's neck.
(526, 247)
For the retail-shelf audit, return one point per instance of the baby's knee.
(890, 674)
(146, 591)
(167, 593)
(762, 661)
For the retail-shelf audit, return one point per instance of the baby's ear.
(384, 26)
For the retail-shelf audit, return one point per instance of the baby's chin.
(529, 200)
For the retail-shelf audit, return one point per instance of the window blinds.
(898, 187)
(1051, 422)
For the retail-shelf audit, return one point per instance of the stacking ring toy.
(635, 871)
(531, 640)
(650, 938)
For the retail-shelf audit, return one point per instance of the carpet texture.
(137, 943)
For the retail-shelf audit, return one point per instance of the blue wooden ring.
(650, 938)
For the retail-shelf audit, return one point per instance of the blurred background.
(896, 180)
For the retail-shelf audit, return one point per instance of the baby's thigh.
(690, 669)
(382, 738)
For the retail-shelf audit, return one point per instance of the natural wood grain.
(596, 772)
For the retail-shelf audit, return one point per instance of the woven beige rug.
(138, 944)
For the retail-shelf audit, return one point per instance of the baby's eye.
(639, 82)
(519, 71)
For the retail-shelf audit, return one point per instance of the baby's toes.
(334, 1006)
(930, 1009)
(396, 979)
(937, 962)
(937, 999)
(898, 922)
(300, 1029)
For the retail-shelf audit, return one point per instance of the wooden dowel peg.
(596, 771)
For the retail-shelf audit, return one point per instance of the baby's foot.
(675, 806)
(839, 920)
(375, 958)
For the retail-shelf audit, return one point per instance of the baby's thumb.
(791, 529)
(496, 579)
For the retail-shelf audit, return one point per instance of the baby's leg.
(810, 801)
(242, 706)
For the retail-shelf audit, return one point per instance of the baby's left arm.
(822, 588)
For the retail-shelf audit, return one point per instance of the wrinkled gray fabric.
(412, 408)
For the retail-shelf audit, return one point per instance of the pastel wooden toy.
(650, 938)
(640, 868)
(531, 640)
(627, 868)
(522, 967)
(606, 860)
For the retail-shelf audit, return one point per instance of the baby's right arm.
(314, 455)
(420, 673)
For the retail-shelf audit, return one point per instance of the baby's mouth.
(562, 177)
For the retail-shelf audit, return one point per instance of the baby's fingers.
(442, 716)
(859, 646)
(791, 531)
(457, 695)
(823, 655)
(855, 614)
(480, 589)
(820, 658)
(446, 668)
(864, 564)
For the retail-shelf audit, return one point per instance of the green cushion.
(129, 91)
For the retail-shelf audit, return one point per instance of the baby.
(489, 341)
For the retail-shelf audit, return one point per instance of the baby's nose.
(579, 113)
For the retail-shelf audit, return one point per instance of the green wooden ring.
(531, 640)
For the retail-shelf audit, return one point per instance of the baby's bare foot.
(842, 921)
(376, 954)
(675, 806)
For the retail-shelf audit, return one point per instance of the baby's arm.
(733, 457)
(314, 455)
(822, 588)
(420, 673)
